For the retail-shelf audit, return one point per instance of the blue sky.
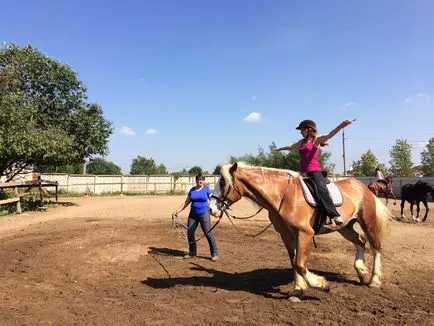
(193, 82)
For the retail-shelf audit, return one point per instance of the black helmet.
(305, 124)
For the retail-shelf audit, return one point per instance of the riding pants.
(324, 195)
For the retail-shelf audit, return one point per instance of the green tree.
(400, 162)
(46, 120)
(102, 167)
(195, 170)
(76, 168)
(367, 164)
(427, 159)
(217, 169)
(142, 165)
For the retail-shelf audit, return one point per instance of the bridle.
(225, 207)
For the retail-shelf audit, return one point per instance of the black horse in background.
(414, 194)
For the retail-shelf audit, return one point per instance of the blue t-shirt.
(199, 199)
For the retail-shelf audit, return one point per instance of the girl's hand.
(346, 123)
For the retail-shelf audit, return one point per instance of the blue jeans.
(205, 223)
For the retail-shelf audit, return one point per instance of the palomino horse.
(414, 194)
(280, 192)
(385, 188)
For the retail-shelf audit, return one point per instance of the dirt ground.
(117, 261)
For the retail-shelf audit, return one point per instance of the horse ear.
(233, 168)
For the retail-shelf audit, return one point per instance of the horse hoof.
(364, 279)
(375, 282)
(294, 299)
(424, 219)
(296, 295)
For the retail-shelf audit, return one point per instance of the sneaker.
(338, 220)
(189, 256)
(215, 258)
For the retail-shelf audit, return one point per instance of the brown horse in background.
(280, 192)
(383, 187)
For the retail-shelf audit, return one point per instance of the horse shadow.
(265, 282)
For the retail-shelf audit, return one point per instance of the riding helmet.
(305, 124)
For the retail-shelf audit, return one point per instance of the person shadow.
(265, 282)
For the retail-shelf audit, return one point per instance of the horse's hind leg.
(359, 242)
(376, 270)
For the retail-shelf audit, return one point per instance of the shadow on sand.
(265, 282)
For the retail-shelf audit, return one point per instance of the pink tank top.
(309, 157)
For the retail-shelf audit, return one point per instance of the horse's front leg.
(417, 211)
(411, 211)
(304, 243)
(300, 285)
(402, 208)
(288, 238)
(425, 203)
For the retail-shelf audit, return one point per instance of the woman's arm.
(323, 138)
(292, 147)
(184, 205)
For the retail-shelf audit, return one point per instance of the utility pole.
(343, 151)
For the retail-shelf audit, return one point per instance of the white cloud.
(151, 132)
(127, 131)
(346, 105)
(253, 97)
(417, 96)
(419, 144)
(253, 117)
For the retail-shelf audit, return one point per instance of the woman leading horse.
(280, 192)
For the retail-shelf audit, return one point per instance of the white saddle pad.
(333, 189)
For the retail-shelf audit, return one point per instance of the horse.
(383, 187)
(414, 194)
(280, 192)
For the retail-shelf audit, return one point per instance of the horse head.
(227, 190)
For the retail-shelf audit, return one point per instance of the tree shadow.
(265, 282)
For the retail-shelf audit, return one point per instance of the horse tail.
(383, 217)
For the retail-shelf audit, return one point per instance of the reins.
(230, 217)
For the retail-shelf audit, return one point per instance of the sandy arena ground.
(116, 261)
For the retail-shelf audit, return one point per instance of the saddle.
(311, 194)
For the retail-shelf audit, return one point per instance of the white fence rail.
(162, 184)
(146, 184)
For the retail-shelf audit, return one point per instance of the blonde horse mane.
(224, 171)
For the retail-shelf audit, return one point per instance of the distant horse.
(414, 194)
(383, 187)
(280, 192)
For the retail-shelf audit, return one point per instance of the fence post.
(19, 200)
